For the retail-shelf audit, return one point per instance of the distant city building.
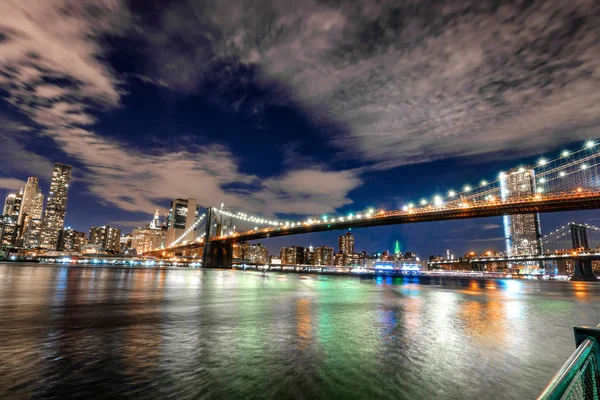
(346, 243)
(274, 260)
(182, 215)
(522, 232)
(9, 230)
(240, 251)
(257, 253)
(32, 233)
(56, 209)
(106, 237)
(71, 240)
(324, 255)
(32, 203)
(309, 256)
(151, 237)
(293, 255)
(125, 241)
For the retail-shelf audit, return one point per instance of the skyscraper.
(12, 204)
(54, 219)
(346, 243)
(522, 232)
(33, 200)
(182, 216)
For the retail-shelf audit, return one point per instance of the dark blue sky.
(291, 110)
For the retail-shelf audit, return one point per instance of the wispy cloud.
(9, 183)
(51, 68)
(490, 226)
(404, 82)
(495, 239)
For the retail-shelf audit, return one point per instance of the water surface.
(97, 332)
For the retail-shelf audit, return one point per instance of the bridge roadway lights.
(218, 254)
(583, 271)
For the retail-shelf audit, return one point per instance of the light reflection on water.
(104, 332)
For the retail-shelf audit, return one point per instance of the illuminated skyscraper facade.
(32, 203)
(12, 204)
(182, 215)
(346, 243)
(56, 209)
(522, 232)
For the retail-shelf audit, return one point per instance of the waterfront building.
(56, 209)
(257, 253)
(125, 241)
(293, 255)
(324, 255)
(32, 233)
(522, 232)
(106, 237)
(346, 243)
(309, 255)
(9, 230)
(71, 240)
(182, 215)
(148, 238)
(240, 251)
(32, 203)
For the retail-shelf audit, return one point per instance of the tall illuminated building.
(182, 215)
(522, 232)
(33, 200)
(56, 209)
(346, 243)
(12, 204)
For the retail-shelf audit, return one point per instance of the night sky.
(294, 108)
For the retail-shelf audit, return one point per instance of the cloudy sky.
(293, 108)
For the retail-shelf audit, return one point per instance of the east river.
(93, 332)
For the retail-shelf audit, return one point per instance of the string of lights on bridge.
(190, 229)
(565, 230)
(546, 171)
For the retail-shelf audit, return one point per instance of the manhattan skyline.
(287, 121)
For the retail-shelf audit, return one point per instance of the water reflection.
(155, 333)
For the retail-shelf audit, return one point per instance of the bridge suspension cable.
(190, 229)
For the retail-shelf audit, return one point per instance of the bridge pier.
(218, 255)
(583, 271)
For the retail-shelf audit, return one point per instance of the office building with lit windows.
(107, 238)
(56, 209)
(12, 204)
(324, 255)
(522, 232)
(71, 240)
(346, 243)
(32, 202)
(182, 215)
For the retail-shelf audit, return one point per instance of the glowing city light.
(562, 173)
(589, 144)
(584, 166)
(467, 188)
(423, 202)
(542, 180)
(542, 161)
(484, 182)
(437, 200)
(451, 193)
(565, 153)
(521, 169)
